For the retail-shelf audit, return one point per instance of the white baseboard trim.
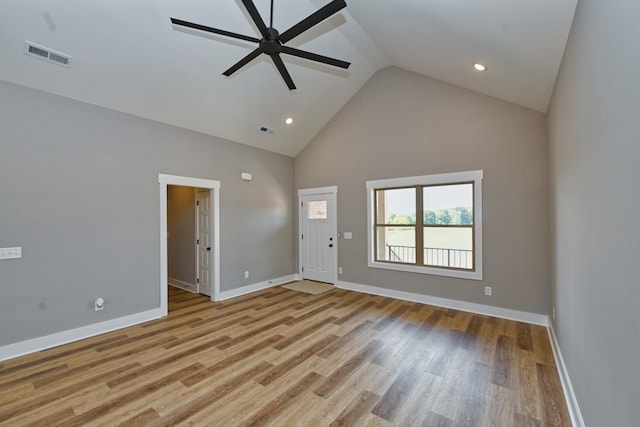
(504, 313)
(182, 285)
(247, 289)
(567, 387)
(42, 343)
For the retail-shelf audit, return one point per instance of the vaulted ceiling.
(127, 56)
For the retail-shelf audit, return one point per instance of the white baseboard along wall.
(22, 348)
(191, 287)
(11, 351)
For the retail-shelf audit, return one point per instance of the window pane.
(448, 247)
(396, 206)
(448, 204)
(396, 244)
(317, 209)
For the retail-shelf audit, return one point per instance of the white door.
(318, 237)
(204, 242)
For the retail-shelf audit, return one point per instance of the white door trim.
(333, 212)
(166, 180)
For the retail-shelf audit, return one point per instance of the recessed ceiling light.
(289, 120)
(479, 67)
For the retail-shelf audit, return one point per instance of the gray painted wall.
(181, 225)
(79, 192)
(403, 124)
(594, 130)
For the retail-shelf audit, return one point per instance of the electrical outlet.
(339, 270)
(488, 291)
(553, 312)
(246, 274)
(99, 304)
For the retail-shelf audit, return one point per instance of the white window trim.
(445, 178)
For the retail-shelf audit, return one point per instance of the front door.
(318, 237)
(204, 242)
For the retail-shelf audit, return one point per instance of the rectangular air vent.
(267, 130)
(47, 54)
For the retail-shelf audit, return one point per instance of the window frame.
(474, 177)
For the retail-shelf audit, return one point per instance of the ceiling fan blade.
(182, 23)
(244, 61)
(283, 71)
(315, 57)
(312, 20)
(251, 8)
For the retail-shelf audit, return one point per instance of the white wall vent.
(267, 130)
(47, 54)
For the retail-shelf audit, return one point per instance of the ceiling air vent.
(267, 130)
(47, 54)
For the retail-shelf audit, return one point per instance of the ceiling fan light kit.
(272, 42)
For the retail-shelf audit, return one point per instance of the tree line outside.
(453, 216)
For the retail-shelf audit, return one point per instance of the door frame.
(333, 212)
(214, 186)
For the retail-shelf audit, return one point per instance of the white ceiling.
(128, 57)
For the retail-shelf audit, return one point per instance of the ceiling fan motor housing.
(271, 45)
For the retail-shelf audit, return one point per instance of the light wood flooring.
(283, 358)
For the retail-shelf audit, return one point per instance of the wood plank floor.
(283, 358)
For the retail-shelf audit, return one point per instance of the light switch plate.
(348, 235)
(10, 253)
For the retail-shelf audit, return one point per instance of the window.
(428, 224)
(317, 209)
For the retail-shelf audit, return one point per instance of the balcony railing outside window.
(440, 257)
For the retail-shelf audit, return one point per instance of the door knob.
(330, 245)
(209, 248)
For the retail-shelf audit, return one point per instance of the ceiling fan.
(272, 42)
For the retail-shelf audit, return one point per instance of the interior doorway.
(182, 234)
(212, 223)
(189, 238)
